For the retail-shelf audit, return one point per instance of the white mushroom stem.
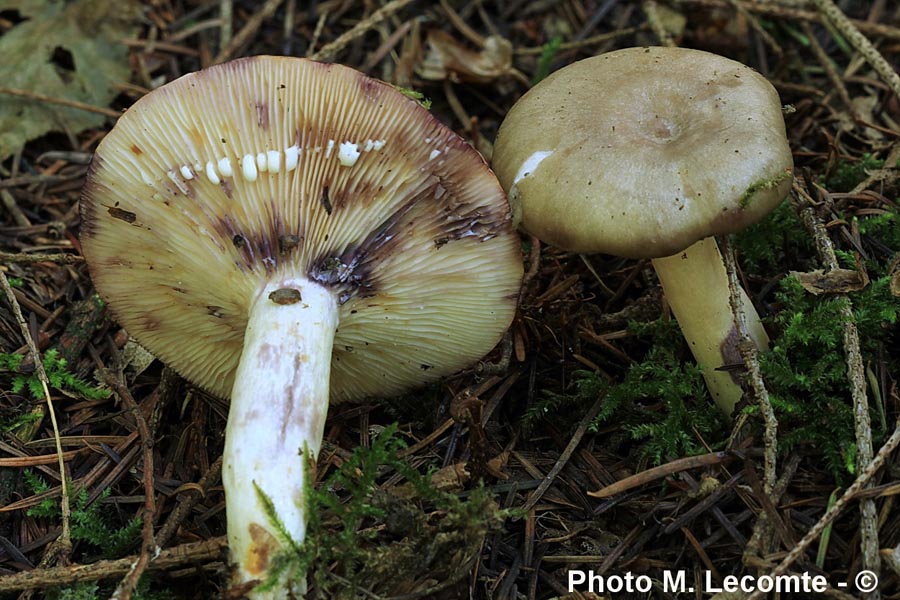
(275, 425)
(696, 287)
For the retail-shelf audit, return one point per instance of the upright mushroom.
(285, 232)
(646, 153)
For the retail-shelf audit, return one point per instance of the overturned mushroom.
(285, 232)
(646, 153)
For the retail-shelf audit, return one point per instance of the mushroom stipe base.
(276, 422)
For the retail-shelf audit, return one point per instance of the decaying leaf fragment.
(447, 58)
(836, 281)
(69, 50)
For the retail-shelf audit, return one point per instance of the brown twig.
(868, 526)
(670, 468)
(247, 31)
(816, 530)
(187, 554)
(226, 29)
(329, 50)
(64, 542)
(39, 178)
(651, 11)
(852, 33)
(830, 72)
(750, 354)
(9, 203)
(579, 432)
(193, 495)
(107, 112)
(764, 35)
(771, 9)
(586, 42)
(149, 547)
(21, 257)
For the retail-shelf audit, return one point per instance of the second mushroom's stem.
(275, 425)
(696, 287)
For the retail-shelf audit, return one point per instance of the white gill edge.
(254, 163)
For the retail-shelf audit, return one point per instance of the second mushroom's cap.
(641, 152)
(217, 182)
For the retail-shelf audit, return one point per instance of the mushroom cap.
(643, 151)
(265, 167)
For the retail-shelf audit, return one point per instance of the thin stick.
(764, 35)
(107, 112)
(566, 453)
(332, 48)
(22, 258)
(248, 30)
(830, 71)
(187, 554)
(670, 468)
(868, 526)
(651, 11)
(317, 32)
(9, 202)
(775, 10)
(750, 354)
(889, 446)
(830, 11)
(65, 539)
(149, 548)
(189, 501)
(226, 15)
(591, 41)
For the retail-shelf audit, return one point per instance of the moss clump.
(415, 95)
(662, 401)
(363, 539)
(760, 186)
(58, 375)
(848, 174)
(90, 524)
(806, 370)
(545, 62)
(774, 243)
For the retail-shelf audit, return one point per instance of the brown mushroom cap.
(217, 182)
(643, 151)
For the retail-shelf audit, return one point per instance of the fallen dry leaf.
(446, 58)
(66, 50)
(837, 281)
(451, 478)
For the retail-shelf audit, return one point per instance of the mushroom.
(646, 153)
(285, 232)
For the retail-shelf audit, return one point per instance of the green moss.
(361, 536)
(548, 53)
(762, 185)
(417, 96)
(884, 229)
(58, 375)
(48, 507)
(662, 402)
(806, 371)
(90, 524)
(848, 174)
(773, 244)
